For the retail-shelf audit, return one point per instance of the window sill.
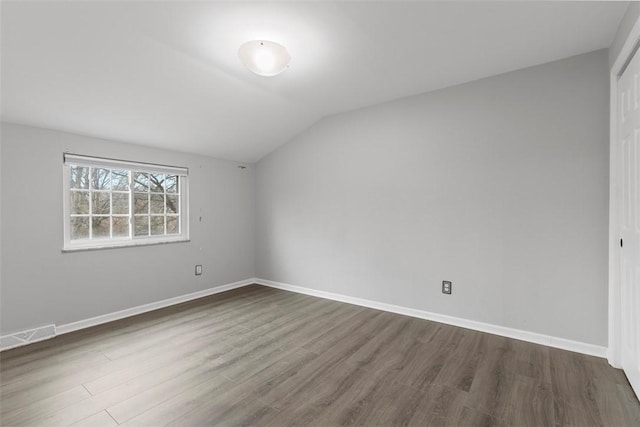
(119, 245)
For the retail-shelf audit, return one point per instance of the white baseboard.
(613, 361)
(50, 331)
(117, 315)
(39, 334)
(548, 340)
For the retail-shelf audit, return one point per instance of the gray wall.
(628, 21)
(500, 185)
(41, 285)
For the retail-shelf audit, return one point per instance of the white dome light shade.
(264, 58)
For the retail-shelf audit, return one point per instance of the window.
(110, 203)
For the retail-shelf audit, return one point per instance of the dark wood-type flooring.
(265, 357)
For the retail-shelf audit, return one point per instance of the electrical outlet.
(446, 287)
(198, 270)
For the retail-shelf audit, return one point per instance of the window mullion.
(90, 204)
(149, 208)
(110, 204)
(131, 218)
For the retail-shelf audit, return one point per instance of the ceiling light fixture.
(264, 57)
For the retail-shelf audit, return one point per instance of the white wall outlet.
(198, 270)
(446, 287)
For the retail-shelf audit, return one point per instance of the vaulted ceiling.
(167, 74)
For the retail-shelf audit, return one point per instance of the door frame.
(614, 351)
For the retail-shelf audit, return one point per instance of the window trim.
(93, 244)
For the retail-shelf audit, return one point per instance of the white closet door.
(629, 140)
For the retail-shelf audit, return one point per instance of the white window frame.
(131, 240)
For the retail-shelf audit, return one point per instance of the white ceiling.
(167, 74)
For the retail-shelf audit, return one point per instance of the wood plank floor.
(265, 357)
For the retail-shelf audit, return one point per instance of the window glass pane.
(100, 226)
(100, 179)
(79, 228)
(173, 205)
(157, 203)
(172, 225)
(120, 226)
(156, 181)
(141, 181)
(79, 177)
(171, 184)
(120, 203)
(141, 227)
(157, 225)
(79, 202)
(141, 203)
(120, 180)
(100, 203)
